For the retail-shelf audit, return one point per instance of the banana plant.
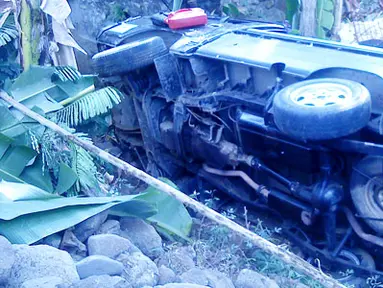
(8, 31)
(293, 13)
(68, 98)
(325, 18)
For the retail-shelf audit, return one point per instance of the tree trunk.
(308, 21)
(338, 12)
(26, 34)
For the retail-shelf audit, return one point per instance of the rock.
(88, 227)
(288, 282)
(143, 235)
(179, 260)
(7, 258)
(165, 275)
(43, 282)
(73, 246)
(53, 240)
(98, 265)
(269, 4)
(109, 245)
(110, 227)
(39, 261)
(250, 279)
(209, 278)
(181, 285)
(301, 285)
(195, 276)
(139, 270)
(100, 281)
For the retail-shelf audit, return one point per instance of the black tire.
(329, 116)
(128, 57)
(366, 189)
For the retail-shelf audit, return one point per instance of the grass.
(220, 249)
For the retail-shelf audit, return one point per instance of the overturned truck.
(267, 117)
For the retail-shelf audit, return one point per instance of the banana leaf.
(42, 81)
(172, 218)
(22, 164)
(14, 159)
(28, 214)
(67, 178)
(325, 17)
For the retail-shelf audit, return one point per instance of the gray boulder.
(209, 278)
(165, 275)
(40, 261)
(143, 235)
(43, 282)
(109, 245)
(100, 281)
(73, 246)
(251, 279)
(139, 270)
(7, 258)
(98, 265)
(179, 260)
(53, 240)
(181, 285)
(88, 227)
(110, 227)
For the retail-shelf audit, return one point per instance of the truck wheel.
(128, 57)
(322, 109)
(366, 188)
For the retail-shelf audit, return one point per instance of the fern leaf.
(66, 73)
(86, 170)
(90, 105)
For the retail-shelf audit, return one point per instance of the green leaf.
(8, 31)
(14, 165)
(10, 191)
(292, 8)
(72, 89)
(172, 216)
(234, 11)
(325, 18)
(66, 179)
(38, 214)
(35, 175)
(177, 4)
(89, 106)
(84, 167)
(226, 10)
(66, 73)
(14, 161)
(35, 80)
(5, 142)
(8, 122)
(328, 6)
(136, 207)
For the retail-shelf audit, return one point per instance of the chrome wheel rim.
(321, 95)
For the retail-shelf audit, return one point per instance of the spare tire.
(322, 109)
(128, 57)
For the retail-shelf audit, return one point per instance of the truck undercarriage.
(269, 118)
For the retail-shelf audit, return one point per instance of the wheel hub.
(375, 187)
(366, 188)
(321, 95)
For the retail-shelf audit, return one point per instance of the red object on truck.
(186, 18)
